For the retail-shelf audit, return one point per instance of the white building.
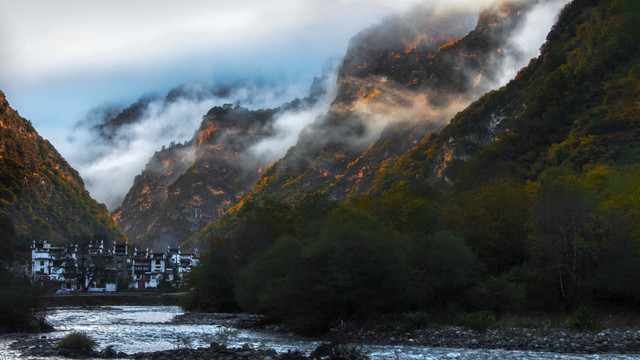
(47, 261)
(141, 270)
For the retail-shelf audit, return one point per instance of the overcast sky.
(60, 58)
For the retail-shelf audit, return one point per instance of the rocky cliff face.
(148, 194)
(185, 186)
(43, 196)
(398, 84)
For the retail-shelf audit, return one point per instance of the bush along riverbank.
(21, 305)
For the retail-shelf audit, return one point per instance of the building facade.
(92, 267)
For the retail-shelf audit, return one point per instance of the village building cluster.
(94, 267)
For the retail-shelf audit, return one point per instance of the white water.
(132, 329)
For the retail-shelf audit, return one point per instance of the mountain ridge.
(418, 107)
(43, 196)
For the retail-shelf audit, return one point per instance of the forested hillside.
(41, 196)
(528, 200)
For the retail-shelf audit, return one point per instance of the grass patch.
(416, 319)
(77, 341)
(479, 320)
(584, 318)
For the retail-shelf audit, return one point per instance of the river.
(132, 329)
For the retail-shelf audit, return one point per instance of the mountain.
(114, 122)
(42, 195)
(149, 193)
(574, 106)
(399, 82)
(186, 186)
(528, 200)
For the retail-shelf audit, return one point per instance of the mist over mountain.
(460, 166)
(398, 83)
(186, 185)
(117, 142)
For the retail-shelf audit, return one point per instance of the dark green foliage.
(493, 219)
(343, 272)
(320, 263)
(406, 207)
(439, 267)
(77, 341)
(20, 305)
(479, 320)
(584, 318)
(543, 215)
(501, 293)
(213, 281)
(564, 240)
(416, 319)
(7, 237)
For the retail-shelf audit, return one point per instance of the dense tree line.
(21, 308)
(553, 244)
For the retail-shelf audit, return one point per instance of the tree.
(619, 271)
(440, 266)
(7, 234)
(562, 222)
(494, 219)
(347, 270)
(85, 262)
(20, 303)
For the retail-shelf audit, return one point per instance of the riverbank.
(557, 339)
(135, 298)
(167, 333)
(508, 338)
(29, 346)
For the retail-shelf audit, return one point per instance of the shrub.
(77, 341)
(416, 319)
(499, 293)
(440, 267)
(19, 303)
(479, 320)
(584, 318)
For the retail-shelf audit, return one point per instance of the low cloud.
(525, 42)
(405, 107)
(108, 164)
(288, 124)
(381, 103)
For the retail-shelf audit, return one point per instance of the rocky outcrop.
(186, 186)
